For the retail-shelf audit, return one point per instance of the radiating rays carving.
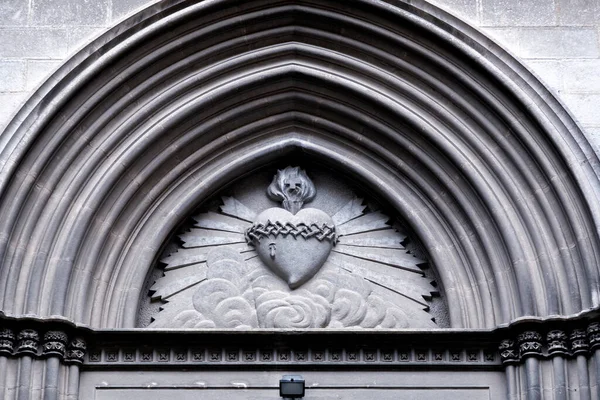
(238, 269)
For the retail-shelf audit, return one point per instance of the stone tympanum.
(251, 264)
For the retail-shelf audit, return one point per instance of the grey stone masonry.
(13, 12)
(559, 40)
(518, 13)
(69, 12)
(37, 36)
(122, 8)
(13, 76)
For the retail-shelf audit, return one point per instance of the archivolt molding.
(112, 153)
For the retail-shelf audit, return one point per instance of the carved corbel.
(27, 342)
(593, 334)
(579, 343)
(557, 343)
(509, 353)
(7, 342)
(530, 344)
(76, 351)
(55, 343)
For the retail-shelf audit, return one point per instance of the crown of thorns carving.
(258, 231)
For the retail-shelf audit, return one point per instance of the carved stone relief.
(54, 343)
(255, 264)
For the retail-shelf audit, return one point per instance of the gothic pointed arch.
(159, 113)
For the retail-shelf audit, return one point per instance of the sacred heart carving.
(221, 282)
(293, 246)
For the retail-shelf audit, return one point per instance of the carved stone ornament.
(557, 343)
(579, 344)
(509, 354)
(593, 332)
(255, 265)
(28, 341)
(7, 341)
(76, 351)
(55, 343)
(294, 243)
(530, 343)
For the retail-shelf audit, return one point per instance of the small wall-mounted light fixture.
(291, 387)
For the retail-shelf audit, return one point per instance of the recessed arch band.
(135, 131)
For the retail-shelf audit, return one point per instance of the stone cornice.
(76, 344)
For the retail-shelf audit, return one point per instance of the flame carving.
(293, 188)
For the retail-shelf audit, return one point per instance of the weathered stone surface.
(593, 134)
(550, 72)
(578, 12)
(33, 42)
(69, 12)
(584, 106)
(38, 71)
(13, 76)
(80, 36)
(518, 13)
(558, 43)
(507, 37)
(13, 12)
(121, 8)
(466, 9)
(9, 103)
(581, 75)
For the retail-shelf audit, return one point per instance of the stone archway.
(148, 121)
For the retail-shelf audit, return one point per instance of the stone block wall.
(37, 36)
(557, 39)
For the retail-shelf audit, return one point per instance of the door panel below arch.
(320, 385)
